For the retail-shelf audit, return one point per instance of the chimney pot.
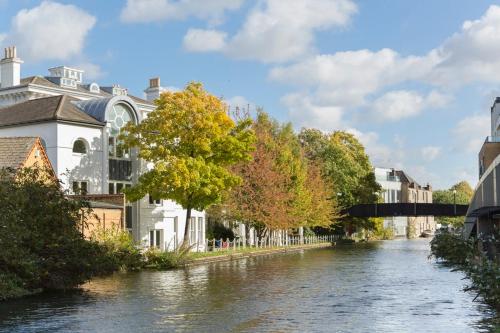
(154, 82)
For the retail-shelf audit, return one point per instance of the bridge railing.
(406, 209)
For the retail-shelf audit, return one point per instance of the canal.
(386, 286)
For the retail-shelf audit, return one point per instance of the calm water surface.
(380, 287)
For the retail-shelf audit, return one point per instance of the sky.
(413, 80)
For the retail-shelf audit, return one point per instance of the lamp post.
(455, 202)
(376, 204)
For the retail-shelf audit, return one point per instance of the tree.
(462, 196)
(262, 200)
(281, 188)
(346, 165)
(189, 141)
(41, 244)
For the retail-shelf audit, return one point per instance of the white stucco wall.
(163, 218)
(80, 167)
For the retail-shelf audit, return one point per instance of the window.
(200, 229)
(117, 188)
(128, 217)
(151, 238)
(192, 230)
(79, 147)
(80, 187)
(155, 238)
(153, 201)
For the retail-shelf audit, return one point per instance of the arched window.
(79, 147)
(117, 117)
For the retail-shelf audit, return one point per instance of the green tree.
(346, 165)
(190, 142)
(41, 246)
(460, 193)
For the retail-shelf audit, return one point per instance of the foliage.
(462, 196)
(346, 166)
(190, 142)
(162, 260)
(281, 188)
(451, 247)
(41, 246)
(217, 230)
(464, 255)
(121, 253)
(378, 230)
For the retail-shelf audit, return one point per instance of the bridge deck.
(406, 209)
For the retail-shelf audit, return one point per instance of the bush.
(451, 247)
(160, 260)
(462, 254)
(121, 253)
(41, 246)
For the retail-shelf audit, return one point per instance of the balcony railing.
(492, 139)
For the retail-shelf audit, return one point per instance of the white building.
(79, 124)
(392, 193)
(398, 186)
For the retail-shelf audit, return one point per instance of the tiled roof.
(14, 151)
(60, 107)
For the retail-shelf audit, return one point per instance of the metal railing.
(266, 242)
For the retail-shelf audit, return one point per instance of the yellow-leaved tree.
(189, 143)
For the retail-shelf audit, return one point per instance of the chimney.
(10, 68)
(154, 90)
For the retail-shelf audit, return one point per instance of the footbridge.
(406, 209)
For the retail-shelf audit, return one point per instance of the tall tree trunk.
(185, 241)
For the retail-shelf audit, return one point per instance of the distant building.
(78, 124)
(398, 187)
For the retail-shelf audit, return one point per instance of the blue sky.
(414, 80)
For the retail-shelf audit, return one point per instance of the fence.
(267, 242)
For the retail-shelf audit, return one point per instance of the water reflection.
(376, 287)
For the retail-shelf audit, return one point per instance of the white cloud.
(472, 54)
(277, 30)
(346, 78)
(50, 31)
(470, 132)
(163, 10)
(351, 79)
(304, 112)
(91, 71)
(381, 155)
(199, 40)
(430, 153)
(399, 104)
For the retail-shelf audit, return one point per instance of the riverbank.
(229, 255)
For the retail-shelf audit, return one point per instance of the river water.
(387, 286)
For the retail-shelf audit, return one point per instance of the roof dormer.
(66, 76)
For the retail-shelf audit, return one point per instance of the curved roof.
(97, 107)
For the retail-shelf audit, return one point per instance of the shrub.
(41, 246)
(451, 247)
(462, 254)
(162, 260)
(121, 253)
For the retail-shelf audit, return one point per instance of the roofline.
(63, 121)
(63, 91)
